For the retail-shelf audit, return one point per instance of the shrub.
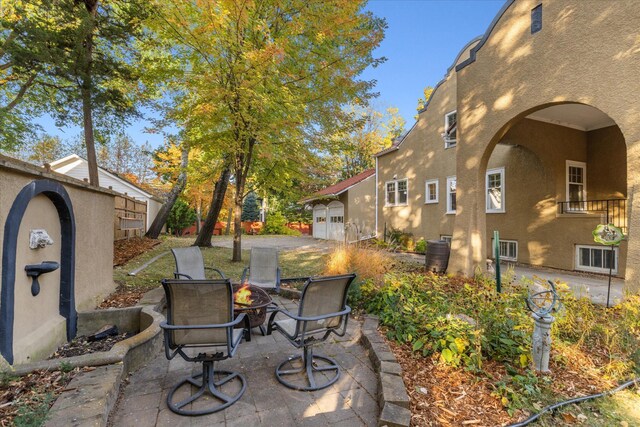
(180, 217)
(276, 224)
(421, 245)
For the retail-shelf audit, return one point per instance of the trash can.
(437, 256)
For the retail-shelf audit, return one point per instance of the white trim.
(449, 180)
(396, 193)
(605, 249)
(583, 165)
(377, 190)
(447, 238)
(494, 171)
(426, 191)
(506, 258)
(449, 143)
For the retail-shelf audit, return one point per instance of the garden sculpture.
(541, 304)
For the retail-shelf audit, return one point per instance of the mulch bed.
(445, 396)
(80, 346)
(127, 249)
(35, 392)
(123, 297)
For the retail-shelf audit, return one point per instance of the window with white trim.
(508, 250)
(446, 238)
(450, 129)
(451, 195)
(495, 190)
(576, 185)
(337, 219)
(431, 191)
(396, 192)
(596, 259)
(321, 219)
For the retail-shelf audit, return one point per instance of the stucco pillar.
(632, 274)
(468, 247)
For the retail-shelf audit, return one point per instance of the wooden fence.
(130, 218)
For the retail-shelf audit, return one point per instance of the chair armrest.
(178, 275)
(244, 274)
(240, 318)
(217, 270)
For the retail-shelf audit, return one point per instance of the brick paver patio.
(351, 401)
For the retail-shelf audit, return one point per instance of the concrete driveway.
(279, 242)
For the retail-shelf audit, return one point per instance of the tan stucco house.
(345, 209)
(534, 132)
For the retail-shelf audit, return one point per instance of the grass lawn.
(294, 263)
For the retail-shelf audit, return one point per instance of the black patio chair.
(200, 316)
(190, 264)
(323, 311)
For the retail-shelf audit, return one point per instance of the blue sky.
(422, 40)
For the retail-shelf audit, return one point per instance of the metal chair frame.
(302, 338)
(205, 381)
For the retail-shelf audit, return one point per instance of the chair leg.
(207, 385)
(307, 379)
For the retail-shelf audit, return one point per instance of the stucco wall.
(586, 52)
(38, 328)
(361, 205)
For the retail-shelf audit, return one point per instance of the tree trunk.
(228, 230)
(86, 85)
(163, 214)
(237, 224)
(219, 190)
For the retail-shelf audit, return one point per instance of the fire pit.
(252, 300)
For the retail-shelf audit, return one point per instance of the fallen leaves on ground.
(126, 249)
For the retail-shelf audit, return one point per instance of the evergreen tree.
(180, 217)
(250, 208)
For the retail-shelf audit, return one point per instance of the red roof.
(341, 186)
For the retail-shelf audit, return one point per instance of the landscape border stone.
(392, 394)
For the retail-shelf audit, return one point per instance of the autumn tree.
(422, 102)
(76, 60)
(266, 74)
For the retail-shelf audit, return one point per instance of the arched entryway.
(551, 175)
(56, 193)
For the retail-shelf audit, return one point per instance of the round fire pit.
(257, 309)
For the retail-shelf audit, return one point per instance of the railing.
(614, 210)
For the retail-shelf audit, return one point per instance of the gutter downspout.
(376, 232)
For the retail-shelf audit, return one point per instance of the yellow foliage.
(366, 263)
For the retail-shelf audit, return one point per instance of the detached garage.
(346, 209)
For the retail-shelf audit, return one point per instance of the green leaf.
(418, 345)
(447, 355)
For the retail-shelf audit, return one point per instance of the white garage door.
(335, 221)
(320, 221)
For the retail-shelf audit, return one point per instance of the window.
(321, 219)
(446, 239)
(596, 259)
(495, 190)
(508, 250)
(431, 191)
(450, 128)
(396, 193)
(576, 185)
(451, 195)
(337, 219)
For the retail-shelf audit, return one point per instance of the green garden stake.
(496, 252)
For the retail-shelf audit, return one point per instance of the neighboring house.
(533, 132)
(77, 167)
(346, 207)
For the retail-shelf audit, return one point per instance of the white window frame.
(506, 257)
(396, 192)
(449, 192)
(502, 190)
(446, 238)
(427, 200)
(448, 142)
(581, 205)
(604, 250)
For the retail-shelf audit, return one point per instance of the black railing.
(614, 210)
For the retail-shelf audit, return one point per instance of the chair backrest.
(263, 267)
(325, 295)
(198, 302)
(189, 261)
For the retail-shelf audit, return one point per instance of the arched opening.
(551, 174)
(60, 199)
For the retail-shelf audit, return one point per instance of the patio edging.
(93, 394)
(392, 394)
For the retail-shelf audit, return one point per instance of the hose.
(555, 406)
